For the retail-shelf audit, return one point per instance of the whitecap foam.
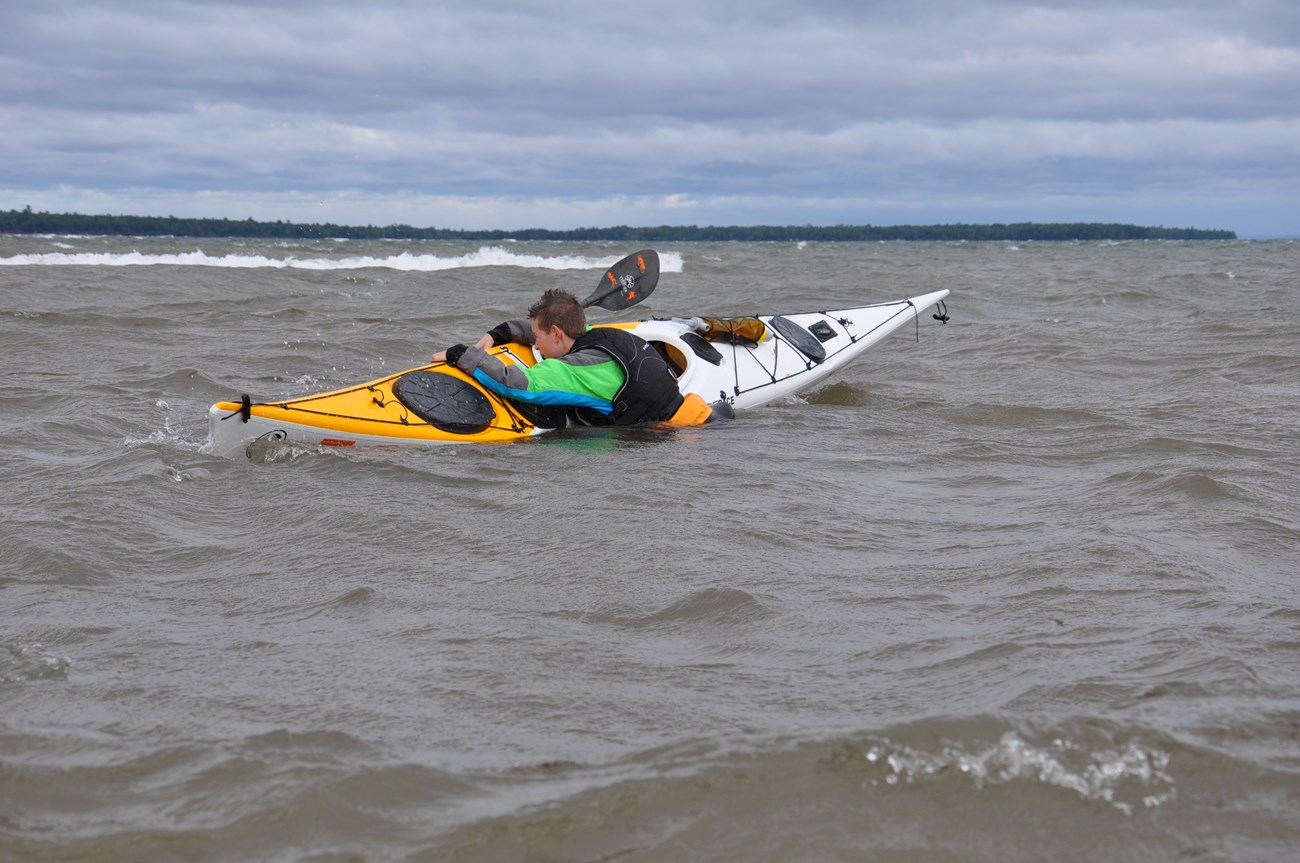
(168, 437)
(1121, 776)
(486, 256)
(23, 662)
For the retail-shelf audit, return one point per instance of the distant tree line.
(26, 221)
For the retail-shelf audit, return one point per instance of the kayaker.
(606, 375)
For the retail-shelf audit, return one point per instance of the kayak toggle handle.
(942, 309)
(245, 409)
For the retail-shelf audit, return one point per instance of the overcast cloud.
(512, 114)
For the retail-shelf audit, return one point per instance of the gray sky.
(513, 114)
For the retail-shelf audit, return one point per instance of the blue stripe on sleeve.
(546, 397)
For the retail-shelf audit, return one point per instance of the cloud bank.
(509, 114)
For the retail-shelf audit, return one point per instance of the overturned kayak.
(742, 363)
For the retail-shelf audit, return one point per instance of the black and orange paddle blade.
(626, 283)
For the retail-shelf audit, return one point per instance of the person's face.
(549, 342)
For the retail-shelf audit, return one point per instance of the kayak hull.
(798, 351)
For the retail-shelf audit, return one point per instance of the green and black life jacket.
(649, 393)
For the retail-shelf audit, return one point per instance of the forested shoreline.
(26, 221)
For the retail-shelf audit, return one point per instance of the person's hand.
(484, 343)
(440, 357)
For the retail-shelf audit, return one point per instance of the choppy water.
(1023, 590)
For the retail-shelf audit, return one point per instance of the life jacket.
(649, 392)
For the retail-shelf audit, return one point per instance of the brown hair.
(559, 308)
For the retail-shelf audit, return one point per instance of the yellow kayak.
(437, 403)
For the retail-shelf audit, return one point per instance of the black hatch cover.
(444, 402)
(806, 342)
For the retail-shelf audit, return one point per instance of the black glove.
(455, 352)
(500, 334)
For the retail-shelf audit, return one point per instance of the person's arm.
(519, 330)
(477, 362)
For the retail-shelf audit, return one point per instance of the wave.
(712, 606)
(31, 661)
(487, 256)
(964, 789)
(313, 788)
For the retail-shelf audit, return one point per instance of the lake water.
(1020, 587)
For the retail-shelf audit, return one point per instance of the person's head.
(557, 319)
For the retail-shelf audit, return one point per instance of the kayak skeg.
(735, 366)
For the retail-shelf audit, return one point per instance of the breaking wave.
(487, 256)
